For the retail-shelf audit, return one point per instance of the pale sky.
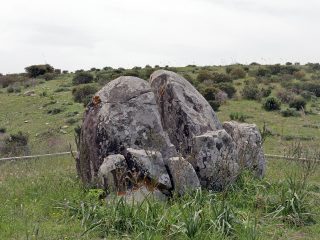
(80, 34)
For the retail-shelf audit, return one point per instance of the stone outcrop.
(141, 138)
(184, 111)
(215, 159)
(248, 145)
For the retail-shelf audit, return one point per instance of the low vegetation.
(43, 199)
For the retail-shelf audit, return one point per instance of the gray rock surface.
(124, 114)
(184, 111)
(112, 173)
(215, 159)
(248, 145)
(133, 130)
(183, 175)
(149, 164)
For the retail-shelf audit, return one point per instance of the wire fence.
(269, 156)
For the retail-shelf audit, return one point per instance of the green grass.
(43, 199)
(29, 114)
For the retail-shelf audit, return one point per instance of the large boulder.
(133, 130)
(183, 175)
(215, 159)
(122, 115)
(184, 112)
(248, 146)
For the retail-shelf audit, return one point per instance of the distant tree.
(203, 75)
(38, 70)
(82, 78)
(57, 71)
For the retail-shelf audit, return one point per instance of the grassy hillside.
(50, 115)
(43, 198)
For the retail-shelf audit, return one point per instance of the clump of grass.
(238, 116)
(290, 112)
(55, 110)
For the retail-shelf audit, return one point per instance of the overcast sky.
(76, 34)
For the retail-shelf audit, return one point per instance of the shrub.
(16, 144)
(71, 121)
(10, 89)
(133, 73)
(238, 116)
(188, 77)
(251, 91)
(285, 96)
(54, 111)
(221, 97)
(49, 76)
(262, 72)
(203, 75)
(228, 88)
(62, 89)
(210, 92)
(307, 95)
(57, 71)
(299, 74)
(271, 104)
(265, 92)
(298, 103)
(83, 94)
(14, 88)
(65, 71)
(11, 79)
(37, 70)
(220, 77)
(82, 78)
(237, 73)
(312, 87)
(290, 112)
(214, 104)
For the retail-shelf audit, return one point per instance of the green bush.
(307, 95)
(265, 92)
(84, 94)
(16, 144)
(209, 93)
(37, 70)
(262, 72)
(312, 87)
(251, 91)
(203, 75)
(298, 103)
(220, 77)
(228, 88)
(54, 111)
(285, 96)
(237, 73)
(290, 112)
(238, 116)
(214, 104)
(49, 76)
(10, 79)
(271, 104)
(14, 89)
(82, 78)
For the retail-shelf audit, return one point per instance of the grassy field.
(43, 198)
